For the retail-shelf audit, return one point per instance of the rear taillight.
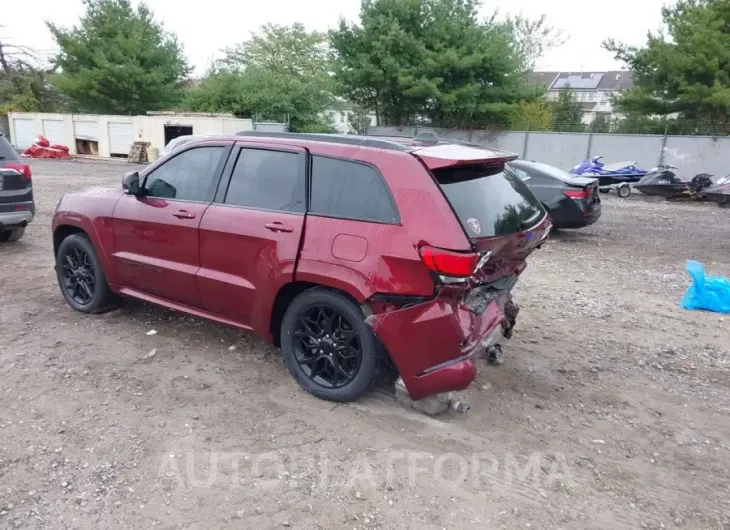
(578, 194)
(23, 169)
(449, 263)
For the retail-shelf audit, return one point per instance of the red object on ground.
(42, 148)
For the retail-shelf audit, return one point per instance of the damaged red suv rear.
(351, 253)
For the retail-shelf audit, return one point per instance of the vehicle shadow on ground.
(202, 334)
(572, 235)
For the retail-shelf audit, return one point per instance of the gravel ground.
(611, 411)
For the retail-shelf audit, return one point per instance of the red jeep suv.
(350, 253)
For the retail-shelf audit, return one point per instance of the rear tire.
(80, 277)
(12, 235)
(320, 332)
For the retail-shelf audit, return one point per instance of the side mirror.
(130, 183)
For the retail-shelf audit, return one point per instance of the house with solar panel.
(594, 90)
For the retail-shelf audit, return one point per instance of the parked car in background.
(348, 252)
(17, 207)
(572, 201)
(177, 143)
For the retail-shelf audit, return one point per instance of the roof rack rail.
(362, 141)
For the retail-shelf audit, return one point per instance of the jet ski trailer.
(619, 176)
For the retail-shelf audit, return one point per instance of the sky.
(206, 27)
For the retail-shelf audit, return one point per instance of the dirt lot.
(612, 410)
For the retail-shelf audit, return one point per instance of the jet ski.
(664, 182)
(621, 171)
(699, 184)
(719, 192)
(619, 175)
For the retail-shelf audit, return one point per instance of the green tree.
(360, 120)
(532, 116)
(685, 70)
(567, 112)
(601, 124)
(285, 50)
(433, 59)
(119, 60)
(279, 73)
(534, 37)
(24, 81)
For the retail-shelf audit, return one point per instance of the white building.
(113, 136)
(594, 90)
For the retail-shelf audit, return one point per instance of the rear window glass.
(350, 190)
(489, 201)
(548, 171)
(6, 150)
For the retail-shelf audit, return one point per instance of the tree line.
(408, 61)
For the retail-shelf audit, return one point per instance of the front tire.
(328, 348)
(80, 277)
(12, 235)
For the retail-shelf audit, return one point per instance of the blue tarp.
(711, 293)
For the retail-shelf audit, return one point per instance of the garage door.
(121, 138)
(86, 130)
(25, 132)
(53, 130)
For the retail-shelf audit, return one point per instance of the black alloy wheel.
(79, 278)
(327, 347)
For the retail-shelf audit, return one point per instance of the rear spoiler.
(450, 155)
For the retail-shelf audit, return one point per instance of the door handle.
(279, 227)
(184, 214)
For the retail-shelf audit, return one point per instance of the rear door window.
(350, 190)
(489, 201)
(269, 180)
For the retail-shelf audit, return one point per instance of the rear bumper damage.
(434, 345)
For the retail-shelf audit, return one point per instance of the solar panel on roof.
(578, 82)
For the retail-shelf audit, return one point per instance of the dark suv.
(350, 253)
(16, 193)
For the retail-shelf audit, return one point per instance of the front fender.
(99, 232)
